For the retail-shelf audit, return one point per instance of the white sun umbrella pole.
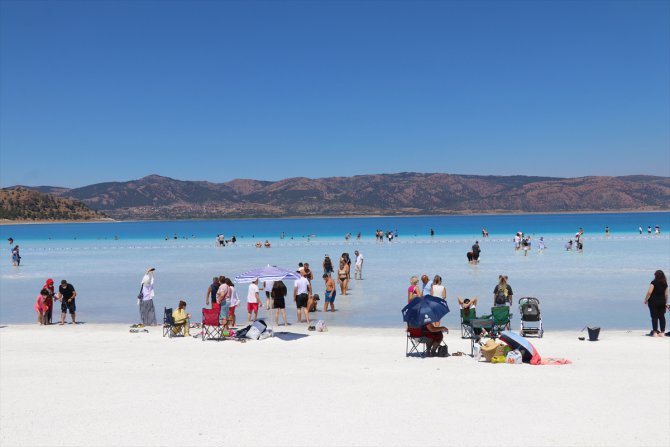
(268, 273)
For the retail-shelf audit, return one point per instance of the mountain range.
(406, 193)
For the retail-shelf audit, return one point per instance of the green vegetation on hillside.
(24, 204)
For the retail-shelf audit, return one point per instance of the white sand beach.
(99, 385)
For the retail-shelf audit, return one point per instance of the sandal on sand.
(311, 328)
(458, 354)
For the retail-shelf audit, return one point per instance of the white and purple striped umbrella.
(269, 273)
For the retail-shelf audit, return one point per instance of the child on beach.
(41, 307)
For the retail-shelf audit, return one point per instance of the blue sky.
(99, 91)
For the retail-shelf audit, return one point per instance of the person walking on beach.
(302, 293)
(331, 292)
(540, 244)
(147, 311)
(253, 300)
(358, 267)
(211, 291)
(502, 293)
(66, 296)
(657, 300)
(413, 291)
(279, 293)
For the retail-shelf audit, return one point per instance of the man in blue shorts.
(330, 293)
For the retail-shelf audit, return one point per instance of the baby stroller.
(531, 320)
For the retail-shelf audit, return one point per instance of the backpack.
(501, 296)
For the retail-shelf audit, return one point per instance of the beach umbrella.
(268, 273)
(516, 341)
(423, 310)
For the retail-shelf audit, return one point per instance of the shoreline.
(6, 222)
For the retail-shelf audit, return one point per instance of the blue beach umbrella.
(268, 273)
(423, 310)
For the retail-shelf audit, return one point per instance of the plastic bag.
(321, 326)
(514, 358)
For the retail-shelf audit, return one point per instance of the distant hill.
(407, 193)
(20, 203)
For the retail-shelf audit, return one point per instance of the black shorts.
(279, 303)
(301, 300)
(68, 306)
(267, 294)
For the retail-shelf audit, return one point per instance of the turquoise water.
(603, 285)
(497, 225)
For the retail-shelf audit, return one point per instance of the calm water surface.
(603, 285)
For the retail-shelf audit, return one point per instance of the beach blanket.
(549, 361)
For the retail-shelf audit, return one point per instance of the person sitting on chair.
(181, 319)
(434, 333)
(468, 303)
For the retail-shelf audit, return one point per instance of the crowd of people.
(222, 295)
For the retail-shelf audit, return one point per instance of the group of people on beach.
(222, 294)
(45, 302)
(433, 331)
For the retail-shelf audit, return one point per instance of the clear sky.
(94, 91)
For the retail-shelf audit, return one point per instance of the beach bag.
(266, 334)
(256, 329)
(140, 295)
(498, 359)
(491, 349)
(514, 358)
(443, 351)
(321, 326)
(242, 333)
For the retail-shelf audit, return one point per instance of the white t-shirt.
(301, 285)
(267, 286)
(359, 259)
(251, 296)
(437, 290)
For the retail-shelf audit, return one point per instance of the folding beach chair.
(170, 329)
(480, 327)
(211, 325)
(416, 342)
(501, 319)
(466, 328)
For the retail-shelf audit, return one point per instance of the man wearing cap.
(66, 296)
